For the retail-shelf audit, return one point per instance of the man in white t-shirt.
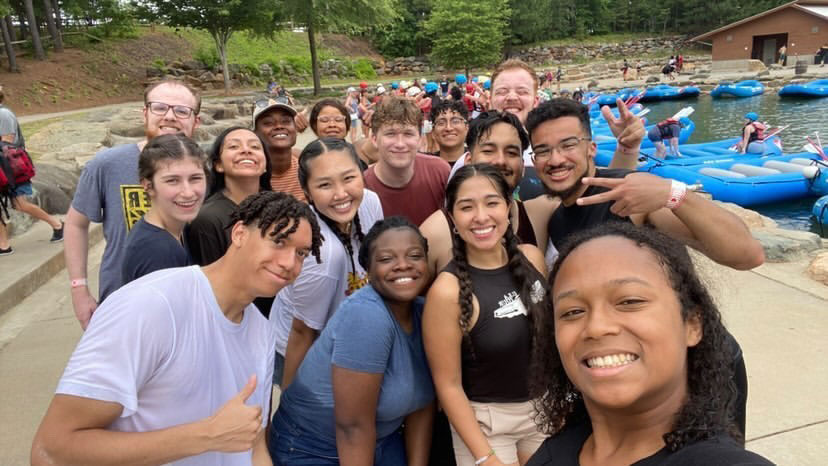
(176, 366)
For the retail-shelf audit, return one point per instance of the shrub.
(363, 69)
(208, 56)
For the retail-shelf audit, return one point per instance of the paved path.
(778, 316)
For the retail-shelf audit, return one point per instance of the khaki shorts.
(509, 427)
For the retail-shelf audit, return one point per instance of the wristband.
(483, 459)
(77, 283)
(678, 191)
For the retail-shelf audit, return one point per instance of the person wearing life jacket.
(753, 135)
(668, 129)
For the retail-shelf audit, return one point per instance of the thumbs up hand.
(235, 426)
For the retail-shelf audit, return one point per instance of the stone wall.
(629, 49)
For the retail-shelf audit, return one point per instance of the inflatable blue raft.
(747, 88)
(666, 92)
(818, 88)
(820, 211)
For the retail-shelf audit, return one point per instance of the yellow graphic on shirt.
(135, 202)
(355, 282)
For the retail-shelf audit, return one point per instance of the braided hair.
(711, 392)
(267, 208)
(312, 151)
(533, 287)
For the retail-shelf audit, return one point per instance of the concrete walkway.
(777, 314)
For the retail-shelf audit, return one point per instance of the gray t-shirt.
(8, 125)
(108, 192)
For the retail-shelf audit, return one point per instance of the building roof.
(817, 8)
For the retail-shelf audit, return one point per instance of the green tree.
(468, 33)
(334, 15)
(220, 18)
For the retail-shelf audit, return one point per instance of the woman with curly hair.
(367, 374)
(477, 325)
(633, 364)
(331, 179)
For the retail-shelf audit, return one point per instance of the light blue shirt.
(362, 336)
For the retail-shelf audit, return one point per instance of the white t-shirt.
(319, 289)
(162, 348)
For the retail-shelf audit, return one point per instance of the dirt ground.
(97, 74)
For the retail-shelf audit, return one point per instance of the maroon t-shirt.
(421, 197)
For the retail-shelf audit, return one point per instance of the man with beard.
(109, 192)
(564, 160)
(450, 120)
(273, 121)
(514, 90)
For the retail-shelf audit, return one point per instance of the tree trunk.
(9, 49)
(50, 25)
(58, 18)
(221, 44)
(21, 20)
(317, 85)
(10, 27)
(38, 46)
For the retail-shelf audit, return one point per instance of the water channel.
(723, 118)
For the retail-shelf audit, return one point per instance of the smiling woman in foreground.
(632, 362)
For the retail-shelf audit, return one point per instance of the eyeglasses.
(565, 147)
(161, 109)
(454, 121)
(328, 119)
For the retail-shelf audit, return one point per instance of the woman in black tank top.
(478, 324)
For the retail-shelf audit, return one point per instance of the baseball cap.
(264, 106)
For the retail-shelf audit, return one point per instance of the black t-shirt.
(564, 449)
(208, 236)
(149, 248)
(569, 219)
(530, 185)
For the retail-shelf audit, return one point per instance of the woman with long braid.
(477, 324)
(330, 176)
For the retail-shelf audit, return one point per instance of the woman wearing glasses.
(329, 119)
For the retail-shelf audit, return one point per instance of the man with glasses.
(274, 122)
(564, 160)
(450, 126)
(109, 192)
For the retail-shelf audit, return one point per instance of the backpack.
(16, 168)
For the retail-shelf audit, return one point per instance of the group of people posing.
(412, 308)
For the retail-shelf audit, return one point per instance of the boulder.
(113, 139)
(653, 79)
(756, 65)
(153, 72)
(751, 218)
(54, 187)
(786, 245)
(193, 65)
(127, 128)
(226, 112)
(818, 269)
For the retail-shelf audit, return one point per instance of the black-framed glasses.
(161, 109)
(565, 147)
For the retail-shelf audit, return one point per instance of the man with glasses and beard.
(109, 192)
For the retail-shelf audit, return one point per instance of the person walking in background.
(625, 68)
(783, 54)
(12, 136)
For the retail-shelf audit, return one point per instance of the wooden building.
(801, 26)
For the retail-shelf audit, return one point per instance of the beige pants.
(509, 427)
